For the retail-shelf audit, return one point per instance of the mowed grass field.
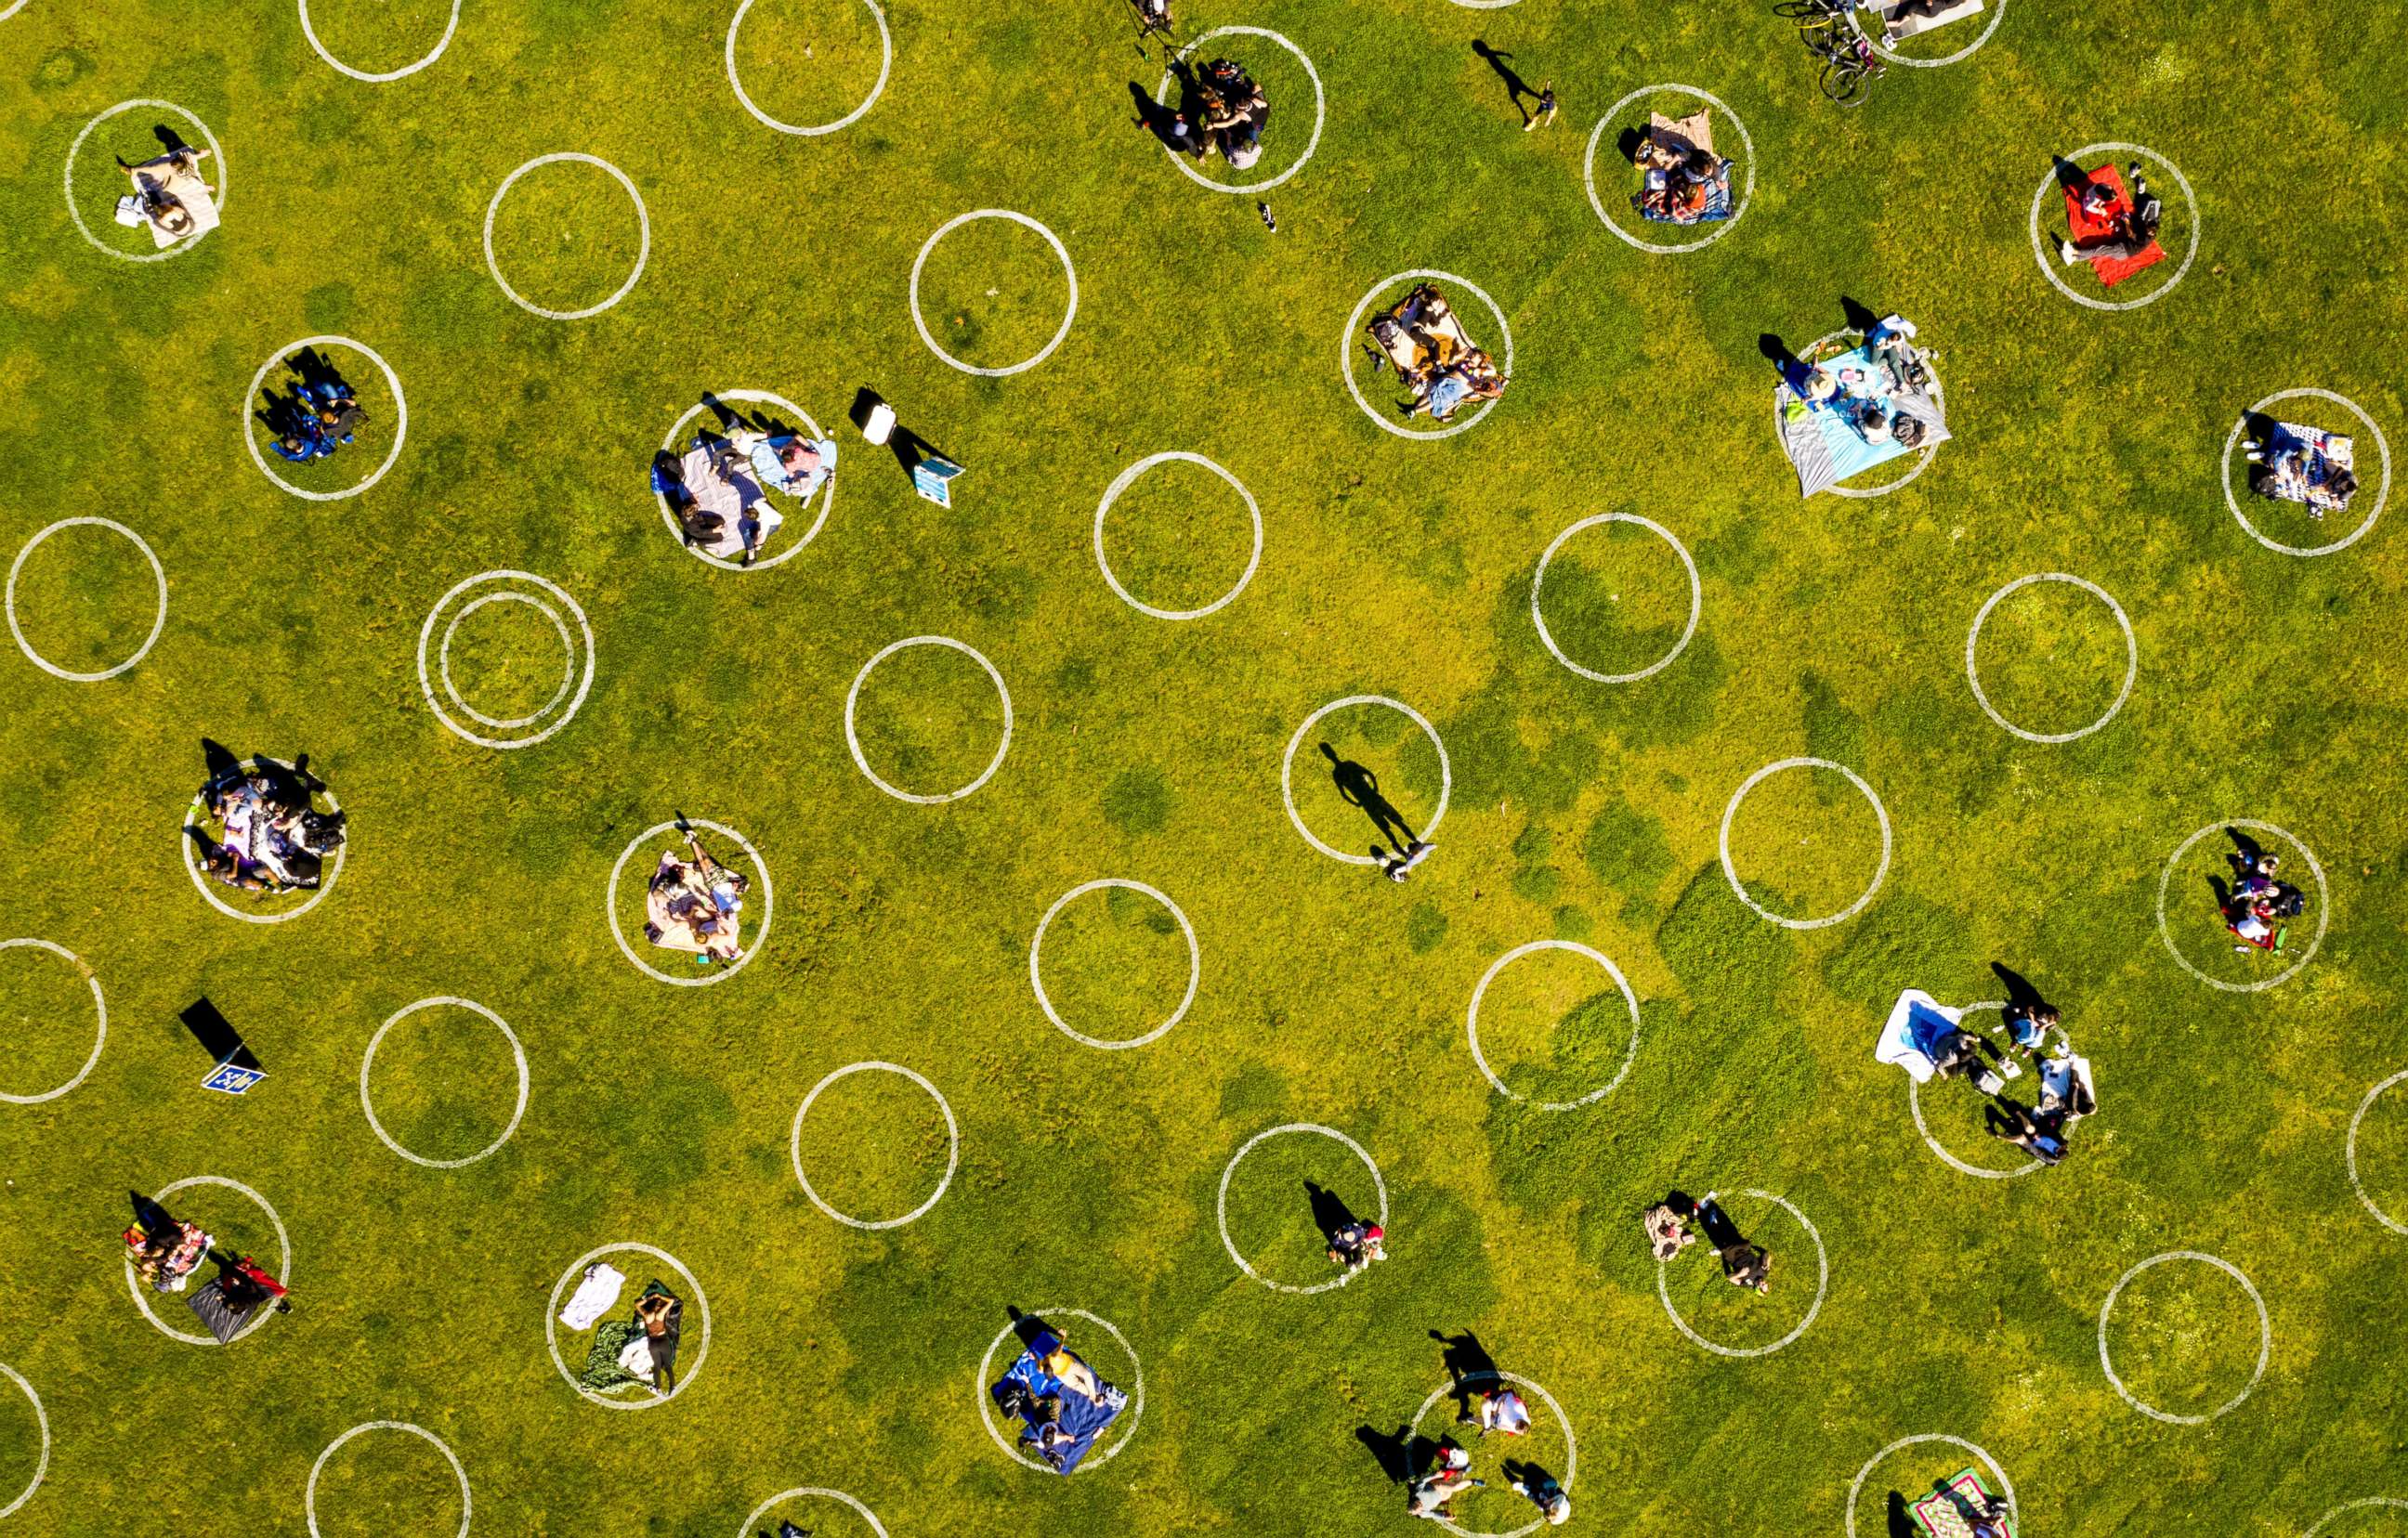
(2267, 687)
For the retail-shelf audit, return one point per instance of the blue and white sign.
(230, 1079)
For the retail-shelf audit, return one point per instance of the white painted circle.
(201, 883)
(100, 1038)
(824, 496)
(1222, 1208)
(378, 78)
(400, 412)
(1922, 458)
(2045, 256)
(427, 634)
(1137, 1392)
(6, 12)
(1915, 1104)
(1485, 5)
(643, 250)
(2265, 1337)
(368, 1061)
(310, 1495)
(158, 624)
(1122, 483)
(1822, 1287)
(1036, 973)
(1320, 109)
(1346, 345)
(568, 646)
(805, 1491)
(1288, 768)
(852, 738)
(1471, 1020)
(1739, 209)
(717, 973)
(952, 1144)
(2381, 494)
(1571, 1444)
(1856, 1487)
(577, 1269)
(1731, 873)
(2322, 1522)
(2324, 905)
(2131, 656)
(1878, 35)
(42, 1465)
(1070, 272)
(284, 1263)
(181, 246)
(885, 63)
(2349, 1146)
(1696, 599)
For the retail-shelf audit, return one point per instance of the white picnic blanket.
(595, 1295)
(1916, 1022)
(738, 500)
(2057, 1077)
(185, 185)
(1908, 26)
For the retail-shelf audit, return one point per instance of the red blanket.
(2086, 228)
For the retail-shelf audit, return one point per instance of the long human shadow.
(2019, 989)
(1902, 1524)
(2072, 177)
(1469, 1364)
(1029, 1326)
(1404, 1454)
(1516, 87)
(1359, 787)
(1329, 1210)
(1156, 119)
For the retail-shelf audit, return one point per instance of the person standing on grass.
(1452, 1477)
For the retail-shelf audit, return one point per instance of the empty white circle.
(400, 412)
(1346, 345)
(158, 624)
(1822, 1287)
(852, 739)
(2350, 1145)
(1922, 458)
(1223, 1206)
(2045, 257)
(824, 496)
(885, 63)
(284, 1263)
(2382, 492)
(1739, 209)
(1036, 971)
(1471, 1020)
(100, 1037)
(1731, 871)
(808, 1492)
(367, 1061)
(77, 214)
(1696, 599)
(952, 1144)
(1070, 272)
(569, 657)
(717, 973)
(42, 1465)
(201, 883)
(1915, 1104)
(378, 78)
(1287, 767)
(1571, 1444)
(1320, 110)
(1878, 36)
(1856, 1487)
(1137, 1391)
(426, 635)
(310, 1495)
(1122, 483)
(643, 249)
(2131, 656)
(577, 1269)
(2265, 1337)
(2324, 905)
(2322, 1522)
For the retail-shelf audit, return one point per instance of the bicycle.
(1830, 31)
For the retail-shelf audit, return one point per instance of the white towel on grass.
(594, 1296)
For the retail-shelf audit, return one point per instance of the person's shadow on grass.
(1359, 787)
(1469, 1366)
(1404, 1454)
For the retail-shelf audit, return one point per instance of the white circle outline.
(2349, 1148)
(568, 643)
(1287, 766)
(1856, 1487)
(2131, 655)
(426, 634)
(1739, 210)
(643, 250)
(552, 1316)
(1222, 1206)
(309, 1494)
(885, 63)
(852, 739)
(1346, 349)
(717, 973)
(952, 1152)
(368, 1061)
(1923, 459)
(200, 883)
(799, 1491)
(42, 1466)
(1822, 1287)
(378, 78)
(1036, 981)
(1128, 477)
(2381, 445)
(1471, 1020)
(827, 501)
(219, 197)
(400, 406)
(283, 1268)
(2322, 1522)
(1320, 109)
(1730, 873)
(157, 625)
(1137, 1395)
(1696, 599)
(1571, 1444)
(2041, 256)
(101, 1040)
(2265, 1337)
(1069, 271)
(1878, 38)
(2324, 905)
(1915, 1104)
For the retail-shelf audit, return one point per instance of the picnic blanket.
(737, 499)
(1911, 1034)
(1824, 446)
(1081, 1418)
(2086, 228)
(1942, 1513)
(185, 185)
(1447, 339)
(1718, 206)
(2319, 453)
(1682, 135)
(2058, 1078)
(661, 905)
(1909, 26)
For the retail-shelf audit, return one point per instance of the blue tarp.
(1081, 1420)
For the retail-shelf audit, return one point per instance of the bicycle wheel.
(1843, 82)
(1804, 10)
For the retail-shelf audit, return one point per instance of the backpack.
(2289, 901)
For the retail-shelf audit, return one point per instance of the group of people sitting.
(718, 489)
(1682, 181)
(257, 826)
(2110, 225)
(1867, 392)
(2292, 462)
(1677, 1222)
(1062, 1405)
(1500, 1410)
(636, 1352)
(169, 198)
(1421, 335)
(1931, 1041)
(320, 414)
(696, 904)
(2258, 903)
(1229, 113)
(164, 1251)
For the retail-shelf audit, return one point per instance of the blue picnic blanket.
(1080, 1421)
(1718, 202)
(1823, 442)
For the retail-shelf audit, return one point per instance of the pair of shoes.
(2140, 183)
(2066, 254)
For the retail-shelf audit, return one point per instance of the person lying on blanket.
(2133, 227)
(150, 179)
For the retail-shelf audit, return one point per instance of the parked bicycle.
(1830, 31)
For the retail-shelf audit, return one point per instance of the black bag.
(2289, 901)
(322, 833)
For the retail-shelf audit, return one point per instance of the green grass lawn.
(1145, 750)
